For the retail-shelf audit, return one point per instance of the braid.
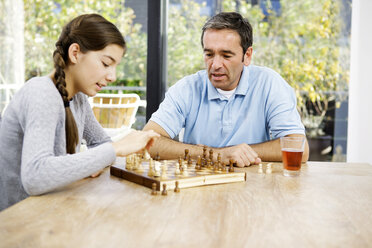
(91, 32)
(72, 136)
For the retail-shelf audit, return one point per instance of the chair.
(115, 112)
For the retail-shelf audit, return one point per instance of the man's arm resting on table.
(243, 154)
(271, 150)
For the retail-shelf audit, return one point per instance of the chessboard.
(186, 172)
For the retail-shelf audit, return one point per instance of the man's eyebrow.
(108, 56)
(228, 51)
(207, 50)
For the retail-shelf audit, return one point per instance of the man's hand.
(243, 154)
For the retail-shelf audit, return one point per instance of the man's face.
(223, 57)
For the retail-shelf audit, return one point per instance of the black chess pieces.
(177, 188)
(164, 192)
(186, 154)
(154, 192)
(157, 157)
(231, 168)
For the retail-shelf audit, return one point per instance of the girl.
(44, 123)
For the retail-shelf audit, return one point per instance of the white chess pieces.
(260, 170)
(268, 168)
(164, 169)
(151, 171)
(129, 162)
(146, 155)
(157, 165)
(184, 170)
(177, 171)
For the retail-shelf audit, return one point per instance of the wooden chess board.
(204, 176)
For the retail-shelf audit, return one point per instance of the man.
(240, 110)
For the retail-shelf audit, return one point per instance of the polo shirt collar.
(240, 90)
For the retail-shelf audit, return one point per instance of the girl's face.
(89, 72)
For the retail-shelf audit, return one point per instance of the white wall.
(359, 148)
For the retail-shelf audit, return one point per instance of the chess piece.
(198, 163)
(260, 170)
(231, 168)
(219, 157)
(189, 161)
(157, 165)
(177, 171)
(186, 154)
(151, 171)
(185, 173)
(146, 155)
(154, 192)
(164, 169)
(177, 189)
(139, 167)
(209, 163)
(157, 157)
(268, 168)
(211, 155)
(164, 192)
(205, 152)
(128, 163)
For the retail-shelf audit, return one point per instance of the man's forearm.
(270, 151)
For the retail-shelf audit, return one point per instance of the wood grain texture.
(328, 205)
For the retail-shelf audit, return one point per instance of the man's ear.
(248, 56)
(73, 53)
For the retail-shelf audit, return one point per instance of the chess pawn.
(260, 170)
(154, 192)
(198, 163)
(128, 163)
(211, 155)
(164, 171)
(157, 157)
(269, 169)
(205, 152)
(186, 154)
(184, 170)
(164, 192)
(189, 161)
(177, 171)
(209, 164)
(231, 168)
(139, 167)
(177, 188)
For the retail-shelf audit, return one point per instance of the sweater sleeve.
(41, 170)
(93, 133)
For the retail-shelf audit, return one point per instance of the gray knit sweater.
(33, 157)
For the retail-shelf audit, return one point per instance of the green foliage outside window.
(304, 45)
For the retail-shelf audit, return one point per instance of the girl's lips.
(98, 87)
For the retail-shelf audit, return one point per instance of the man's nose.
(217, 62)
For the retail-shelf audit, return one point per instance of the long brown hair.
(93, 33)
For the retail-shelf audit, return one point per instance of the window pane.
(307, 42)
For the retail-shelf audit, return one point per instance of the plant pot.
(320, 148)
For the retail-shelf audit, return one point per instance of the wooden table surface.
(328, 205)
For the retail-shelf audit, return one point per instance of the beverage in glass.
(292, 150)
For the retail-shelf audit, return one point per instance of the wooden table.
(328, 205)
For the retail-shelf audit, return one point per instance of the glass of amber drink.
(292, 149)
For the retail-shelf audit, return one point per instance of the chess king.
(239, 109)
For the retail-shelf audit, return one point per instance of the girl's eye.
(105, 65)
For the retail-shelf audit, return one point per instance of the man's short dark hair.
(233, 21)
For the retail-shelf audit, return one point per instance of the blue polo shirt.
(262, 108)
